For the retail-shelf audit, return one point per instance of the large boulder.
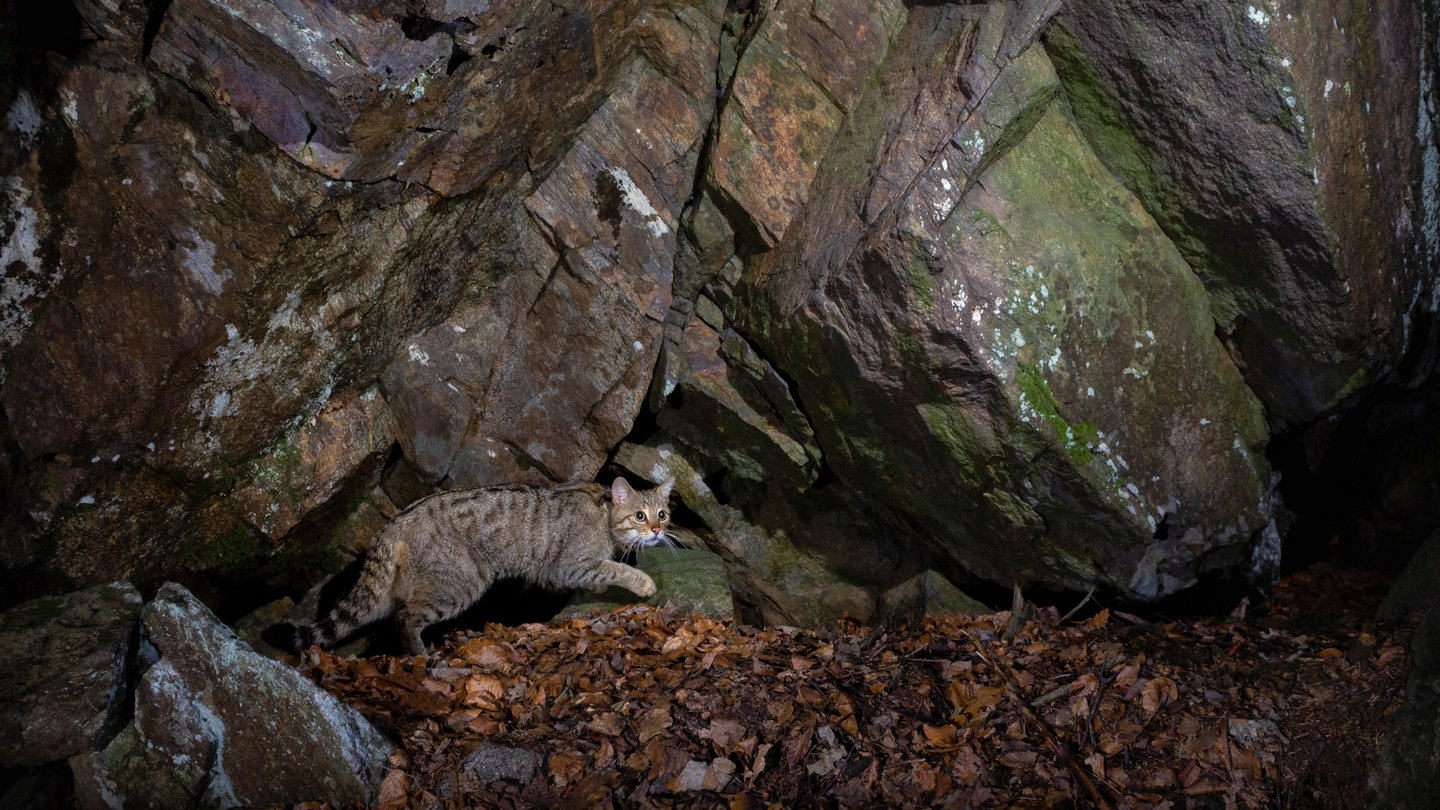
(689, 580)
(1408, 775)
(1019, 291)
(1257, 164)
(217, 724)
(62, 690)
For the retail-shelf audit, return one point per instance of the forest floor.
(1280, 705)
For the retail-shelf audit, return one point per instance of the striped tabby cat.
(439, 556)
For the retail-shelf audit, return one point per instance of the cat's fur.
(439, 556)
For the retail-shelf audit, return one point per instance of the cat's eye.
(661, 515)
(640, 516)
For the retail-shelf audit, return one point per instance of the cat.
(439, 556)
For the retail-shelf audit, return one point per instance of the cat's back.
(508, 511)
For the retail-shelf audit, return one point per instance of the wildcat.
(439, 556)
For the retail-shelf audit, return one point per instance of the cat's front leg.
(609, 572)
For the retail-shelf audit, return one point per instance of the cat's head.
(639, 519)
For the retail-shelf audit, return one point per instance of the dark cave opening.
(1363, 485)
(55, 26)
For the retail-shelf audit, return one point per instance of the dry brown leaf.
(1096, 763)
(724, 733)
(608, 723)
(393, 790)
(1157, 693)
(655, 721)
(483, 691)
(941, 737)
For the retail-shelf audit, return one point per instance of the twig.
(1078, 605)
(1052, 696)
(1058, 748)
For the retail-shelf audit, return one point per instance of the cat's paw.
(645, 588)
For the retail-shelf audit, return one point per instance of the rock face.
(217, 724)
(1018, 291)
(63, 685)
(687, 580)
(1409, 770)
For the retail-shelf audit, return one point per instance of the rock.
(776, 575)
(313, 461)
(1281, 110)
(217, 724)
(795, 82)
(688, 580)
(942, 597)
(945, 358)
(63, 683)
(542, 380)
(44, 788)
(1414, 589)
(1020, 290)
(1408, 774)
(251, 627)
(490, 763)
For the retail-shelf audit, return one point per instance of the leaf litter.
(1279, 705)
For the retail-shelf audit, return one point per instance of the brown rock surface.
(63, 687)
(1016, 290)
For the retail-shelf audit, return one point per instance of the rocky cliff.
(1016, 292)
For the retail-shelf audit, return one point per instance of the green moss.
(965, 443)
(1097, 113)
(920, 281)
(48, 482)
(1077, 438)
(987, 224)
(237, 551)
(278, 472)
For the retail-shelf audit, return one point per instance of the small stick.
(1078, 605)
(1058, 748)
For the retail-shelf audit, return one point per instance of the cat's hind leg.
(425, 607)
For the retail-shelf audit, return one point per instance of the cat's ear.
(620, 491)
(665, 487)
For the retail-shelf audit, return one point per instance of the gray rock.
(688, 580)
(217, 724)
(1415, 589)
(490, 763)
(941, 597)
(63, 682)
(1277, 110)
(487, 763)
(1408, 775)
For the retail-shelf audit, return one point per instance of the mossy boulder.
(687, 580)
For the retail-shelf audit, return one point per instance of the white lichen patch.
(418, 355)
(1257, 15)
(240, 363)
(23, 280)
(638, 202)
(232, 365)
(1429, 178)
(23, 118)
(974, 146)
(199, 262)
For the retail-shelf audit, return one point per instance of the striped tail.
(367, 601)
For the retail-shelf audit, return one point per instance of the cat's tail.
(369, 600)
